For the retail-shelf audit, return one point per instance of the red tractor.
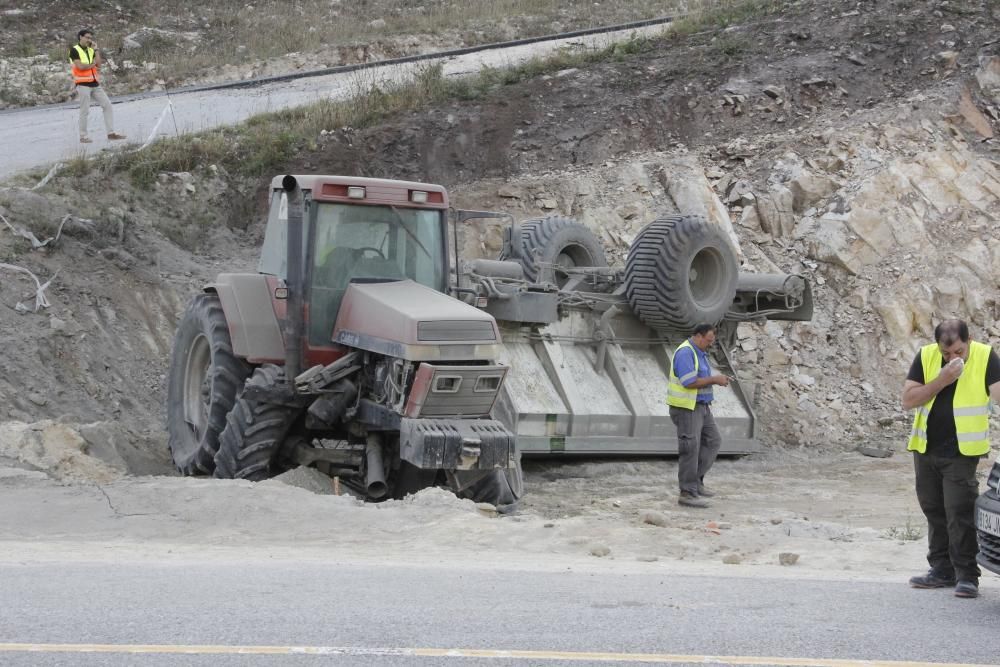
(345, 352)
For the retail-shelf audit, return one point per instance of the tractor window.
(274, 253)
(361, 241)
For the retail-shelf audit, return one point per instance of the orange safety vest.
(86, 57)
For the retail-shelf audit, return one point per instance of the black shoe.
(932, 580)
(967, 589)
(705, 491)
(691, 500)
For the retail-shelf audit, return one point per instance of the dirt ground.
(130, 259)
(840, 516)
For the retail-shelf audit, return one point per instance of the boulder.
(692, 193)
(808, 189)
(775, 209)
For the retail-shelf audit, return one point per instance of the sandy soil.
(843, 515)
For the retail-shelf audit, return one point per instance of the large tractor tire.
(561, 241)
(681, 271)
(205, 377)
(255, 432)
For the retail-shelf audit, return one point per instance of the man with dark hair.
(86, 61)
(950, 384)
(689, 396)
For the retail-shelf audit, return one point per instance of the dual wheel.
(680, 271)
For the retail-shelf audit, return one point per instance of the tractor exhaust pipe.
(375, 484)
(293, 280)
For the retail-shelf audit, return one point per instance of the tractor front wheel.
(255, 432)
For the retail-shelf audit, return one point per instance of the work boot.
(967, 589)
(114, 136)
(705, 491)
(933, 580)
(691, 500)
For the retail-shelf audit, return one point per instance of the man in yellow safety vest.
(950, 384)
(85, 61)
(689, 396)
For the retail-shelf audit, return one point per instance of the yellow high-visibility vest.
(970, 405)
(86, 58)
(678, 395)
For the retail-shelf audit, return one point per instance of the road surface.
(289, 612)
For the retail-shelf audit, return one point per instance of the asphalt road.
(41, 137)
(198, 613)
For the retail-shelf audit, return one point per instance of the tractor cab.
(358, 230)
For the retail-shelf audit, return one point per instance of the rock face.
(893, 224)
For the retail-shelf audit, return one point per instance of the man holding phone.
(86, 61)
(689, 396)
(950, 384)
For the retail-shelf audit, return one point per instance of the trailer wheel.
(255, 431)
(681, 271)
(561, 241)
(205, 377)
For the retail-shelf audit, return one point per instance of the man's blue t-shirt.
(684, 370)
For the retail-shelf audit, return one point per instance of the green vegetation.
(721, 14)
(905, 533)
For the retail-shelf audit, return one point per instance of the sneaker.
(86, 140)
(114, 136)
(932, 580)
(690, 500)
(967, 589)
(705, 491)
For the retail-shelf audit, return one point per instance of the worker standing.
(689, 396)
(950, 384)
(86, 62)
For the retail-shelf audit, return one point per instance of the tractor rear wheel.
(205, 377)
(255, 432)
(681, 271)
(560, 241)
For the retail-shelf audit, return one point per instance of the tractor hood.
(407, 320)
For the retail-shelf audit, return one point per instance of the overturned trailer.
(589, 346)
(350, 349)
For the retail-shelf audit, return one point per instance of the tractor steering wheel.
(365, 248)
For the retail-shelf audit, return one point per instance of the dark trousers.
(698, 443)
(947, 489)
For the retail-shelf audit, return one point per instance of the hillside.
(851, 142)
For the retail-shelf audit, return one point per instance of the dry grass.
(266, 143)
(231, 34)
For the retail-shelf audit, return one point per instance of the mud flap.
(502, 488)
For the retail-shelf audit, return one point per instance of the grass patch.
(906, 533)
(721, 14)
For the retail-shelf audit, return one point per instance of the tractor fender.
(249, 306)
